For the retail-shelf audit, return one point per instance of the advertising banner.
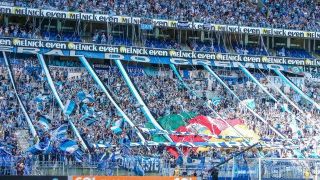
(104, 18)
(148, 55)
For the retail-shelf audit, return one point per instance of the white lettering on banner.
(108, 49)
(183, 54)
(131, 50)
(154, 52)
(251, 59)
(206, 56)
(317, 35)
(83, 47)
(55, 45)
(273, 60)
(228, 57)
(28, 43)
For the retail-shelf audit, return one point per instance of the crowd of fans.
(95, 116)
(296, 14)
(15, 30)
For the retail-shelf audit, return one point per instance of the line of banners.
(152, 55)
(157, 22)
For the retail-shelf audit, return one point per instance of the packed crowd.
(15, 30)
(297, 14)
(99, 123)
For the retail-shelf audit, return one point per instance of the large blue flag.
(40, 147)
(69, 146)
(60, 133)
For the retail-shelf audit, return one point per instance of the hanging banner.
(148, 55)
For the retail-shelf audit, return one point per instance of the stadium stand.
(110, 98)
(267, 14)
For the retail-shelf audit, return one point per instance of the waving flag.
(89, 120)
(45, 121)
(284, 108)
(69, 146)
(81, 95)
(40, 147)
(69, 107)
(216, 101)
(40, 98)
(249, 103)
(116, 128)
(78, 155)
(60, 133)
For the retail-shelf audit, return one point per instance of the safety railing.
(244, 168)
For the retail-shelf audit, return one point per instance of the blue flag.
(40, 147)
(249, 103)
(216, 101)
(69, 107)
(81, 95)
(45, 121)
(60, 133)
(117, 127)
(69, 146)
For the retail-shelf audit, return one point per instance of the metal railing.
(255, 168)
